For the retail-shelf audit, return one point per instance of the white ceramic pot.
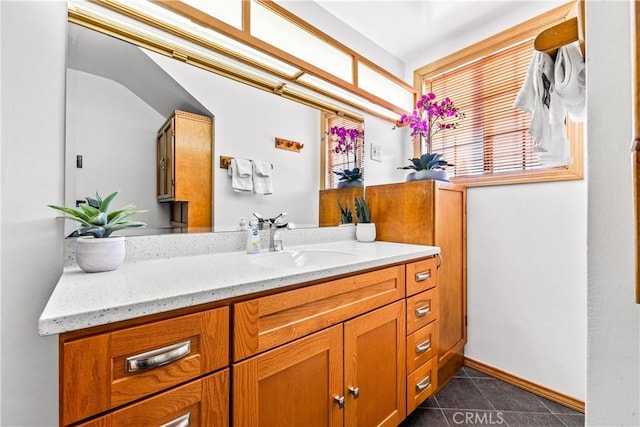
(350, 184)
(96, 255)
(366, 232)
(435, 174)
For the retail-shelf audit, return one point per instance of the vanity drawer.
(108, 370)
(200, 403)
(264, 323)
(422, 309)
(422, 345)
(421, 384)
(422, 275)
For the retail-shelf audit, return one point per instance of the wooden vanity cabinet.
(105, 371)
(431, 213)
(184, 169)
(345, 365)
(203, 402)
(422, 331)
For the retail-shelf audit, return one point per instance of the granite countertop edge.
(81, 300)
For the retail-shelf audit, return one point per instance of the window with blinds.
(492, 144)
(338, 161)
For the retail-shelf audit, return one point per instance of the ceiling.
(407, 27)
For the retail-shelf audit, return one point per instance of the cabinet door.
(450, 235)
(298, 384)
(165, 146)
(374, 352)
(201, 403)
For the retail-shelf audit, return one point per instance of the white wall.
(117, 140)
(33, 76)
(613, 391)
(527, 282)
(247, 121)
(0, 212)
(396, 148)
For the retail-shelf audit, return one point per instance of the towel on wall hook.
(241, 172)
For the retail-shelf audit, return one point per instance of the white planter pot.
(96, 255)
(435, 174)
(366, 232)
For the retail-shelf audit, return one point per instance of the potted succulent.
(348, 141)
(365, 229)
(96, 248)
(430, 118)
(428, 166)
(346, 216)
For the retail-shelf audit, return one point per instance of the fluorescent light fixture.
(240, 49)
(229, 11)
(260, 70)
(348, 96)
(280, 32)
(382, 87)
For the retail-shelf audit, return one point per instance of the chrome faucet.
(275, 241)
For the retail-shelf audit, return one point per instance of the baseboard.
(527, 385)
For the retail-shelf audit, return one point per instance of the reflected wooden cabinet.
(329, 215)
(431, 213)
(184, 169)
(301, 383)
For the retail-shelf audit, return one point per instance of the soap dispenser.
(253, 237)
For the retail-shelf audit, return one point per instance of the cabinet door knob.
(423, 346)
(426, 382)
(424, 310)
(339, 400)
(181, 421)
(355, 391)
(159, 357)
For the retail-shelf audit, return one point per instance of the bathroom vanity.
(340, 333)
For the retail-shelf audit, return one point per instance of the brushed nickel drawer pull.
(339, 400)
(425, 275)
(424, 310)
(423, 346)
(426, 382)
(154, 358)
(181, 421)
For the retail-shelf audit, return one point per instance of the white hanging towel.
(538, 98)
(570, 80)
(262, 177)
(241, 172)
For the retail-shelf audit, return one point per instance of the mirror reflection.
(120, 98)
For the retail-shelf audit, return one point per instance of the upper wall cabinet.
(185, 148)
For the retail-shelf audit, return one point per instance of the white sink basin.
(303, 258)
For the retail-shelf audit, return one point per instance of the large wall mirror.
(118, 97)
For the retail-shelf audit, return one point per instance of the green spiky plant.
(362, 210)
(346, 217)
(427, 161)
(96, 219)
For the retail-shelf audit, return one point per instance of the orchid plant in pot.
(348, 141)
(430, 118)
(96, 248)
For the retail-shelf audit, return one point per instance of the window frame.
(488, 46)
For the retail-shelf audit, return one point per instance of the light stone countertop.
(82, 300)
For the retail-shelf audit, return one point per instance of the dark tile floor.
(472, 398)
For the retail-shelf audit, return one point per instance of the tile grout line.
(482, 393)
